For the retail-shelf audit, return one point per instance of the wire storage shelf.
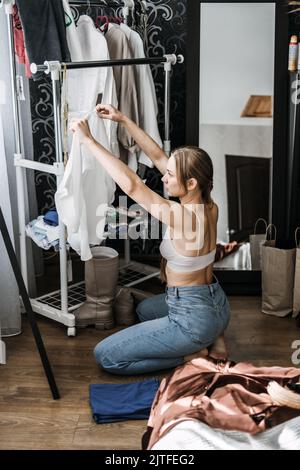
(50, 305)
(129, 275)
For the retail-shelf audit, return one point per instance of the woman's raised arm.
(144, 141)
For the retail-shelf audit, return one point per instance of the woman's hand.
(107, 111)
(82, 129)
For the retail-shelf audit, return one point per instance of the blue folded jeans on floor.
(122, 402)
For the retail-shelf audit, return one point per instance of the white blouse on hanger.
(86, 188)
(87, 43)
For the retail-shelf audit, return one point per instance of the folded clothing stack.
(122, 402)
(120, 220)
(44, 231)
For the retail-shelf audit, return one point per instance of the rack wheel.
(71, 331)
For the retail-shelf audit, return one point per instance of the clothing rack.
(128, 5)
(60, 304)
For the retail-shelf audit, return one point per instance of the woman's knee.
(102, 355)
(98, 353)
(109, 358)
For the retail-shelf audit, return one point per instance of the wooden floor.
(30, 419)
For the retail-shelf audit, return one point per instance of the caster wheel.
(71, 331)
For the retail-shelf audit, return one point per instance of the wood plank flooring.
(30, 419)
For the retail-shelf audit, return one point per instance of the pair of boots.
(101, 277)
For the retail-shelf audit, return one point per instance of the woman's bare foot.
(201, 353)
(219, 350)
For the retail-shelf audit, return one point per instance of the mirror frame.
(238, 281)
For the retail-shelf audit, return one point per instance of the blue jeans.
(173, 325)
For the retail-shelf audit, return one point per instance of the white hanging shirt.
(86, 188)
(87, 43)
(147, 101)
(82, 197)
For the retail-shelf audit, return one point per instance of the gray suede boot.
(101, 276)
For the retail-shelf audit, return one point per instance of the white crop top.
(181, 263)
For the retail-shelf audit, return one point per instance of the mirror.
(236, 87)
(275, 129)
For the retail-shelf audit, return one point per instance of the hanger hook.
(89, 9)
(129, 4)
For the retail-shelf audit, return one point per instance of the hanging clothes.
(20, 49)
(84, 193)
(87, 43)
(125, 79)
(44, 31)
(147, 102)
(86, 186)
(71, 33)
(97, 84)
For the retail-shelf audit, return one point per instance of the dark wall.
(294, 144)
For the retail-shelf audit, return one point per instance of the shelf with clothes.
(57, 305)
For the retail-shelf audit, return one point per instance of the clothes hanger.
(102, 23)
(89, 9)
(116, 19)
(68, 19)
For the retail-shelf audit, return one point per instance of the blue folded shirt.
(51, 218)
(122, 402)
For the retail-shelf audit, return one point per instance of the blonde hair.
(192, 162)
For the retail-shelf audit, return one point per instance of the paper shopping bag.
(278, 270)
(296, 297)
(256, 240)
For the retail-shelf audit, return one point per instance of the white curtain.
(10, 317)
(10, 320)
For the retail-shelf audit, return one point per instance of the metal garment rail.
(104, 63)
(168, 60)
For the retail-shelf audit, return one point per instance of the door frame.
(246, 282)
(232, 162)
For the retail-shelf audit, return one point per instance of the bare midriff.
(195, 278)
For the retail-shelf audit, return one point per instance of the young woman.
(193, 314)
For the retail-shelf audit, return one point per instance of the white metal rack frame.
(60, 304)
